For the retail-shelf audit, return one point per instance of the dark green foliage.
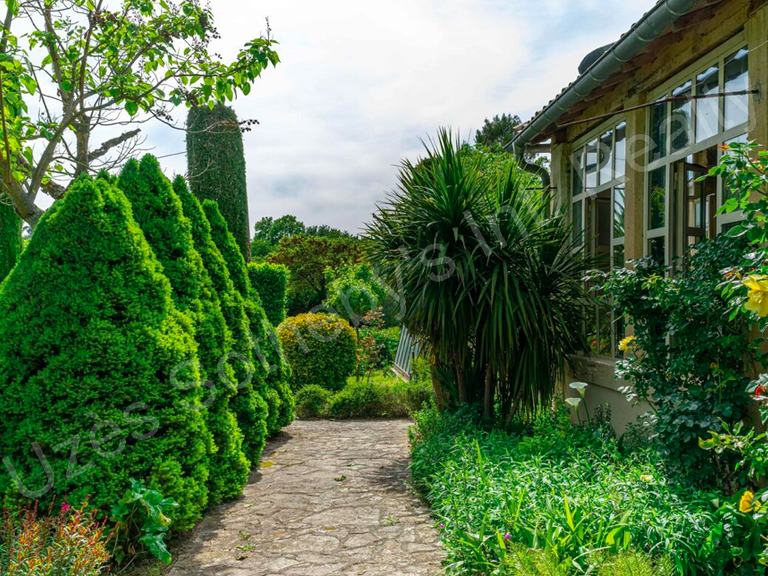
(358, 400)
(486, 276)
(230, 467)
(499, 131)
(485, 485)
(320, 348)
(271, 282)
(353, 291)
(216, 167)
(256, 322)
(158, 210)
(383, 396)
(312, 401)
(688, 358)
(11, 243)
(90, 344)
(387, 340)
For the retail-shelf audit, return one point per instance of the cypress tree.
(11, 243)
(216, 167)
(159, 212)
(229, 465)
(279, 397)
(89, 344)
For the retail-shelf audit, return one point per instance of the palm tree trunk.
(463, 396)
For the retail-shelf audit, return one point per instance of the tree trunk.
(83, 138)
(463, 396)
(442, 398)
(490, 386)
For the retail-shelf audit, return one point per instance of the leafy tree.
(325, 231)
(272, 231)
(229, 465)
(216, 167)
(498, 131)
(84, 64)
(11, 242)
(307, 257)
(353, 292)
(97, 364)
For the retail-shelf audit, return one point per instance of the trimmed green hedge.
(230, 466)
(312, 401)
(270, 371)
(216, 167)
(271, 282)
(89, 341)
(11, 243)
(320, 348)
(159, 212)
(251, 407)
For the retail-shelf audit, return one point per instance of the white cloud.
(360, 83)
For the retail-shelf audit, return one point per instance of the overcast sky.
(361, 82)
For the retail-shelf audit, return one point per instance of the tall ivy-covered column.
(216, 167)
(10, 239)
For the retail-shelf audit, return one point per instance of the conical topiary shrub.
(158, 210)
(248, 403)
(229, 465)
(97, 370)
(270, 368)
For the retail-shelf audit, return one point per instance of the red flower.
(64, 507)
(759, 391)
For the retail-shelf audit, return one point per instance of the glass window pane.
(578, 185)
(606, 157)
(656, 249)
(619, 260)
(618, 212)
(657, 199)
(707, 109)
(682, 112)
(591, 165)
(620, 150)
(658, 131)
(578, 222)
(736, 79)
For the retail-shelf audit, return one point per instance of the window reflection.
(606, 157)
(707, 109)
(658, 131)
(736, 79)
(656, 247)
(658, 197)
(682, 114)
(578, 221)
(591, 165)
(618, 212)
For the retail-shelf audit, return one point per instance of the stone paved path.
(330, 499)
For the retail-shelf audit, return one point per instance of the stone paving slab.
(331, 498)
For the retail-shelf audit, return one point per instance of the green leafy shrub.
(420, 370)
(159, 212)
(271, 282)
(386, 340)
(216, 165)
(230, 478)
(72, 542)
(358, 400)
(95, 357)
(686, 356)
(312, 401)
(320, 348)
(249, 403)
(353, 292)
(141, 523)
(551, 486)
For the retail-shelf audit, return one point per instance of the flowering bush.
(686, 357)
(70, 543)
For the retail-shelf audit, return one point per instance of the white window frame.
(716, 57)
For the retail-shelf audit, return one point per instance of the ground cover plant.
(566, 491)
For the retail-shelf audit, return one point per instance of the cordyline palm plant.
(490, 280)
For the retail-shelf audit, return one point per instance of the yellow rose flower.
(747, 503)
(625, 344)
(758, 294)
